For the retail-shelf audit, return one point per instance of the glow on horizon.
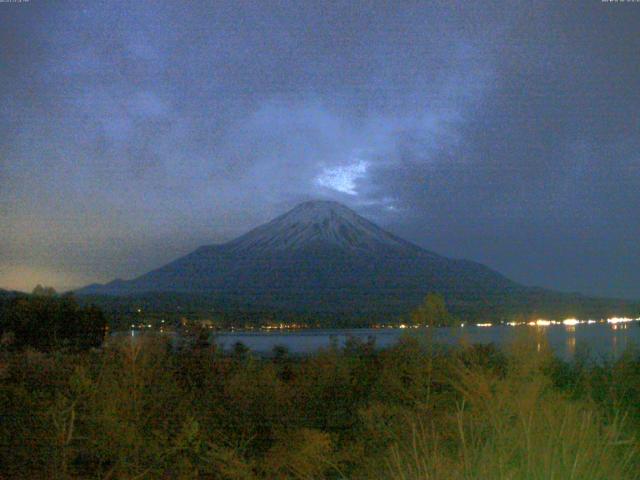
(23, 278)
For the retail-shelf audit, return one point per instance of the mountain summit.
(317, 223)
(322, 257)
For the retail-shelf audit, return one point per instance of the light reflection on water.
(571, 345)
(599, 340)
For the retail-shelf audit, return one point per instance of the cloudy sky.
(507, 133)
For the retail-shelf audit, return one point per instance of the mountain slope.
(323, 257)
(328, 223)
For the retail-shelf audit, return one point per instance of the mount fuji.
(322, 257)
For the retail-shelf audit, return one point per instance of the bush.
(139, 409)
(47, 321)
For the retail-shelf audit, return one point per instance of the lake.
(601, 340)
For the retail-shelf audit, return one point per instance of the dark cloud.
(508, 133)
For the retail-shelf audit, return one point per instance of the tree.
(240, 350)
(47, 321)
(41, 291)
(433, 312)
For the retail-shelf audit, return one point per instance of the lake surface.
(601, 340)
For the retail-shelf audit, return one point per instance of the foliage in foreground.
(138, 409)
(48, 321)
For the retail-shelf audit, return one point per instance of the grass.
(516, 424)
(410, 412)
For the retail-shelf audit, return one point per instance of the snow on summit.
(317, 222)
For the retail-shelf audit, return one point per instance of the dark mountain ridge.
(323, 257)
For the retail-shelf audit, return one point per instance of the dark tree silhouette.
(433, 312)
(45, 321)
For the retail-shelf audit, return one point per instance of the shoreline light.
(619, 320)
